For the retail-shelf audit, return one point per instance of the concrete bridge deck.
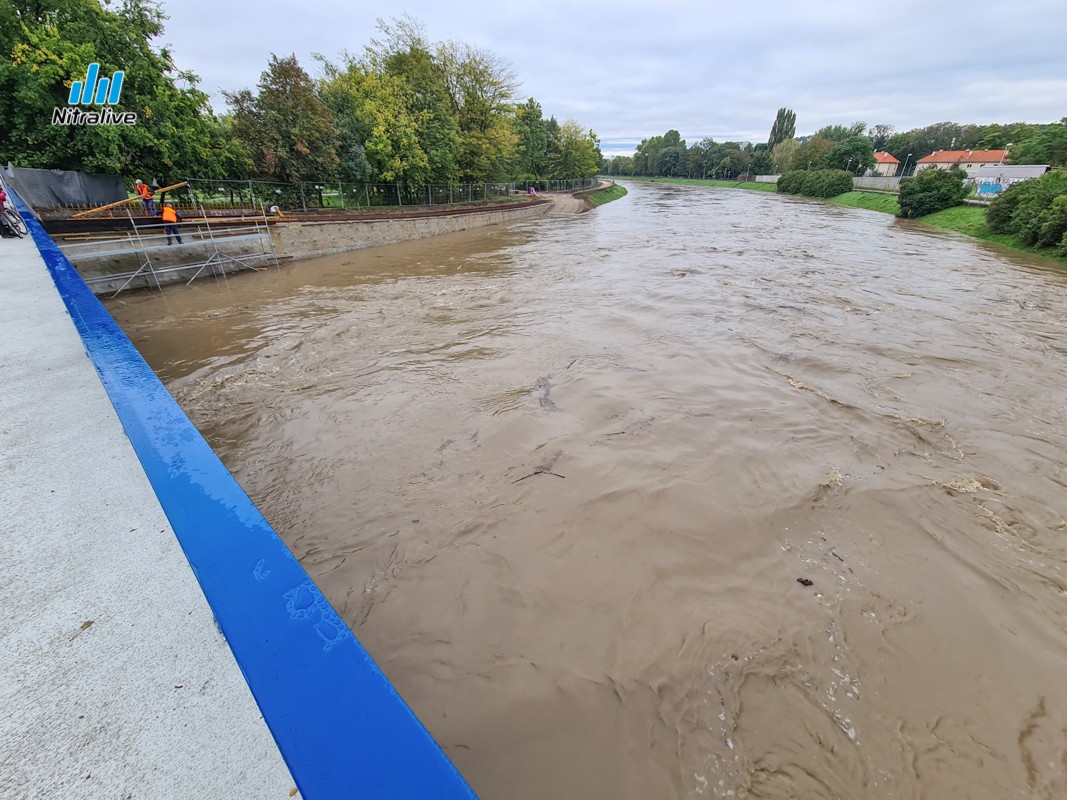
(158, 640)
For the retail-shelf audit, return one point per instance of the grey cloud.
(630, 70)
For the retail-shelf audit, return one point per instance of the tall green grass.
(886, 203)
(970, 221)
(602, 196)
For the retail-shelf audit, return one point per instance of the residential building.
(966, 160)
(885, 165)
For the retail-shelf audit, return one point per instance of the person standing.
(148, 197)
(170, 222)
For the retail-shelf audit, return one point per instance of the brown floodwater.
(564, 478)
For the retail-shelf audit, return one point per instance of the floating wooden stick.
(539, 472)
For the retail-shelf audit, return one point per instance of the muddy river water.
(568, 480)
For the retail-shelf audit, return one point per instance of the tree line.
(404, 111)
(836, 147)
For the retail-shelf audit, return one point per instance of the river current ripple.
(563, 478)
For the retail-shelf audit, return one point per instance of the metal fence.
(338, 196)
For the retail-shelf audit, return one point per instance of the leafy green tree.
(761, 160)
(879, 136)
(576, 155)
(533, 139)
(700, 158)
(784, 127)
(1046, 144)
(373, 112)
(405, 53)
(998, 137)
(672, 154)
(782, 155)
(45, 45)
(812, 154)
(290, 132)
(930, 191)
(855, 154)
(841, 133)
(621, 165)
(481, 87)
(921, 142)
(647, 157)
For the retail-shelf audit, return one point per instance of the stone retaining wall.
(300, 240)
(107, 266)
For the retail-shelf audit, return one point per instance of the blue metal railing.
(339, 723)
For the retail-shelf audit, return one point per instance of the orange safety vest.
(169, 214)
(144, 191)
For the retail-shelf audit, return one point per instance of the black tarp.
(48, 188)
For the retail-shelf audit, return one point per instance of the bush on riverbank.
(930, 191)
(816, 183)
(1035, 211)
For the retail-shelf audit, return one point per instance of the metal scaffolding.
(222, 247)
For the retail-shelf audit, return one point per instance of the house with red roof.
(885, 165)
(966, 160)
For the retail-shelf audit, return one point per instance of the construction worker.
(147, 196)
(170, 222)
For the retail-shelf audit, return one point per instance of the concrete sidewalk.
(114, 680)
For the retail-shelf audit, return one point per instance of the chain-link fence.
(263, 196)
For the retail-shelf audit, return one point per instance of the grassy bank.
(968, 220)
(602, 196)
(886, 203)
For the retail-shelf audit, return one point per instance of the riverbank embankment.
(143, 257)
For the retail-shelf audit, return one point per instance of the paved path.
(114, 680)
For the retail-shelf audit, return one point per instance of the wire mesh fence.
(265, 196)
(256, 197)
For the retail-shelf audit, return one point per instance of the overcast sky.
(633, 70)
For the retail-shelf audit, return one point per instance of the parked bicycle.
(9, 217)
(11, 220)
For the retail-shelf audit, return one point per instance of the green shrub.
(1053, 223)
(816, 183)
(1033, 210)
(930, 191)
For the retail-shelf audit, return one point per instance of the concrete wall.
(299, 240)
(877, 183)
(107, 265)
